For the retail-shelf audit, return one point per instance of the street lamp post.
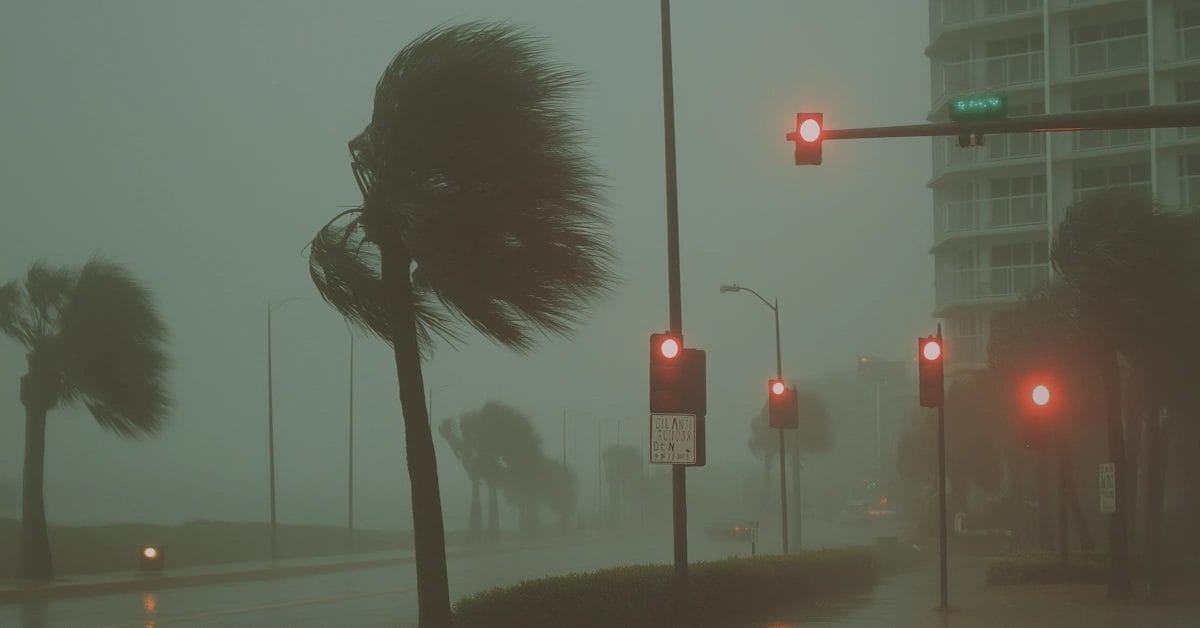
(350, 443)
(271, 307)
(782, 451)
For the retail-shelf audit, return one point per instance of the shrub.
(735, 589)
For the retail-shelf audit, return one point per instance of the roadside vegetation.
(723, 591)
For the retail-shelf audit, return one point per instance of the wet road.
(384, 596)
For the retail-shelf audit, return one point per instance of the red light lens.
(669, 348)
(777, 388)
(1041, 394)
(810, 130)
(932, 350)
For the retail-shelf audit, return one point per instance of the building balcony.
(950, 14)
(993, 73)
(988, 285)
(1083, 141)
(997, 150)
(993, 216)
(1107, 55)
(1187, 41)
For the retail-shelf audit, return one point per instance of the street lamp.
(733, 287)
(271, 307)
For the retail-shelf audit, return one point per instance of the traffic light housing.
(677, 377)
(808, 135)
(782, 410)
(1039, 402)
(931, 356)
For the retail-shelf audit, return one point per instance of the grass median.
(721, 592)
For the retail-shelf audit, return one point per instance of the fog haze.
(202, 145)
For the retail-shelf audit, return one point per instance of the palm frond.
(498, 206)
(16, 321)
(110, 349)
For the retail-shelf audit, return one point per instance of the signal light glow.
(669, 348)
(1041, 394)
(150, 553)
(810, 130)
(932, 350)
(777, 388)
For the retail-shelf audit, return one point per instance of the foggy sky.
(202, 144)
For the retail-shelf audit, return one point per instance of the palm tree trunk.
(1045, 534)
(34, 562)
(429, 536)
(1081, 525)
(794, 519)
(493, 513)
(1119, 580)
(475, 525)
(1156, 470)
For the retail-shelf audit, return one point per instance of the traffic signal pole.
(1151, 117)
(783, 509)
(675, 303)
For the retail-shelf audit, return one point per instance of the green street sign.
(976, 107)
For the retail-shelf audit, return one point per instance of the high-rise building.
(996, 206)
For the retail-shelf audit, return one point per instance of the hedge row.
(721, 592)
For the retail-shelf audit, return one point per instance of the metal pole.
(564, 437)
(271, 439)
(1063, 471)
(878, 437)
(942, 500)
(599, 480)
(678, 479)
(350, 440)
(783, 494)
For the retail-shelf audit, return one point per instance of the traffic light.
(677, 377)
(809, 133)
(782, 410)
(1039, 403)
(930, 358)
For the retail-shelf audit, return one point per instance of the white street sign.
(1108, 487)
(673, 438)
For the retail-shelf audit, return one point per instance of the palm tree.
(622, 470)
(92, 336)
(468, 453)
(764, 444)
(813, 436)
(479, 206)
(1131, 269)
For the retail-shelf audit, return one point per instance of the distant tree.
(558, 490)
(764, 444)
(813, 436)
(469, 453)
(92, 336)
(489, 216)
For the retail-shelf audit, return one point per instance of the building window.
(1093, 140)
(1013, 61)
(1134, 176)
(963, 339)
(1018, 268)
(1016, 201)
(1189, 179)
(1005, 7)
(1188, 91)
(1112, 46)
(1188, 25)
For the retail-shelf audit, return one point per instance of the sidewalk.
(909, 600)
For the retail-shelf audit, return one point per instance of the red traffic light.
(669, 347)
(777, 387)
(930, 361)
(1040, 395)
(809, 133)
(931, 349)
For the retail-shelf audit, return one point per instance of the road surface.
(383, 596)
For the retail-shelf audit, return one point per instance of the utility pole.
(678, 477)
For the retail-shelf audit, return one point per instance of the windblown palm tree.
(481, 207)
(1131, 268)
(92, 336)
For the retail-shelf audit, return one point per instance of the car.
(733, 530)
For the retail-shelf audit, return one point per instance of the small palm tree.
(92, 336)
(479, 207)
